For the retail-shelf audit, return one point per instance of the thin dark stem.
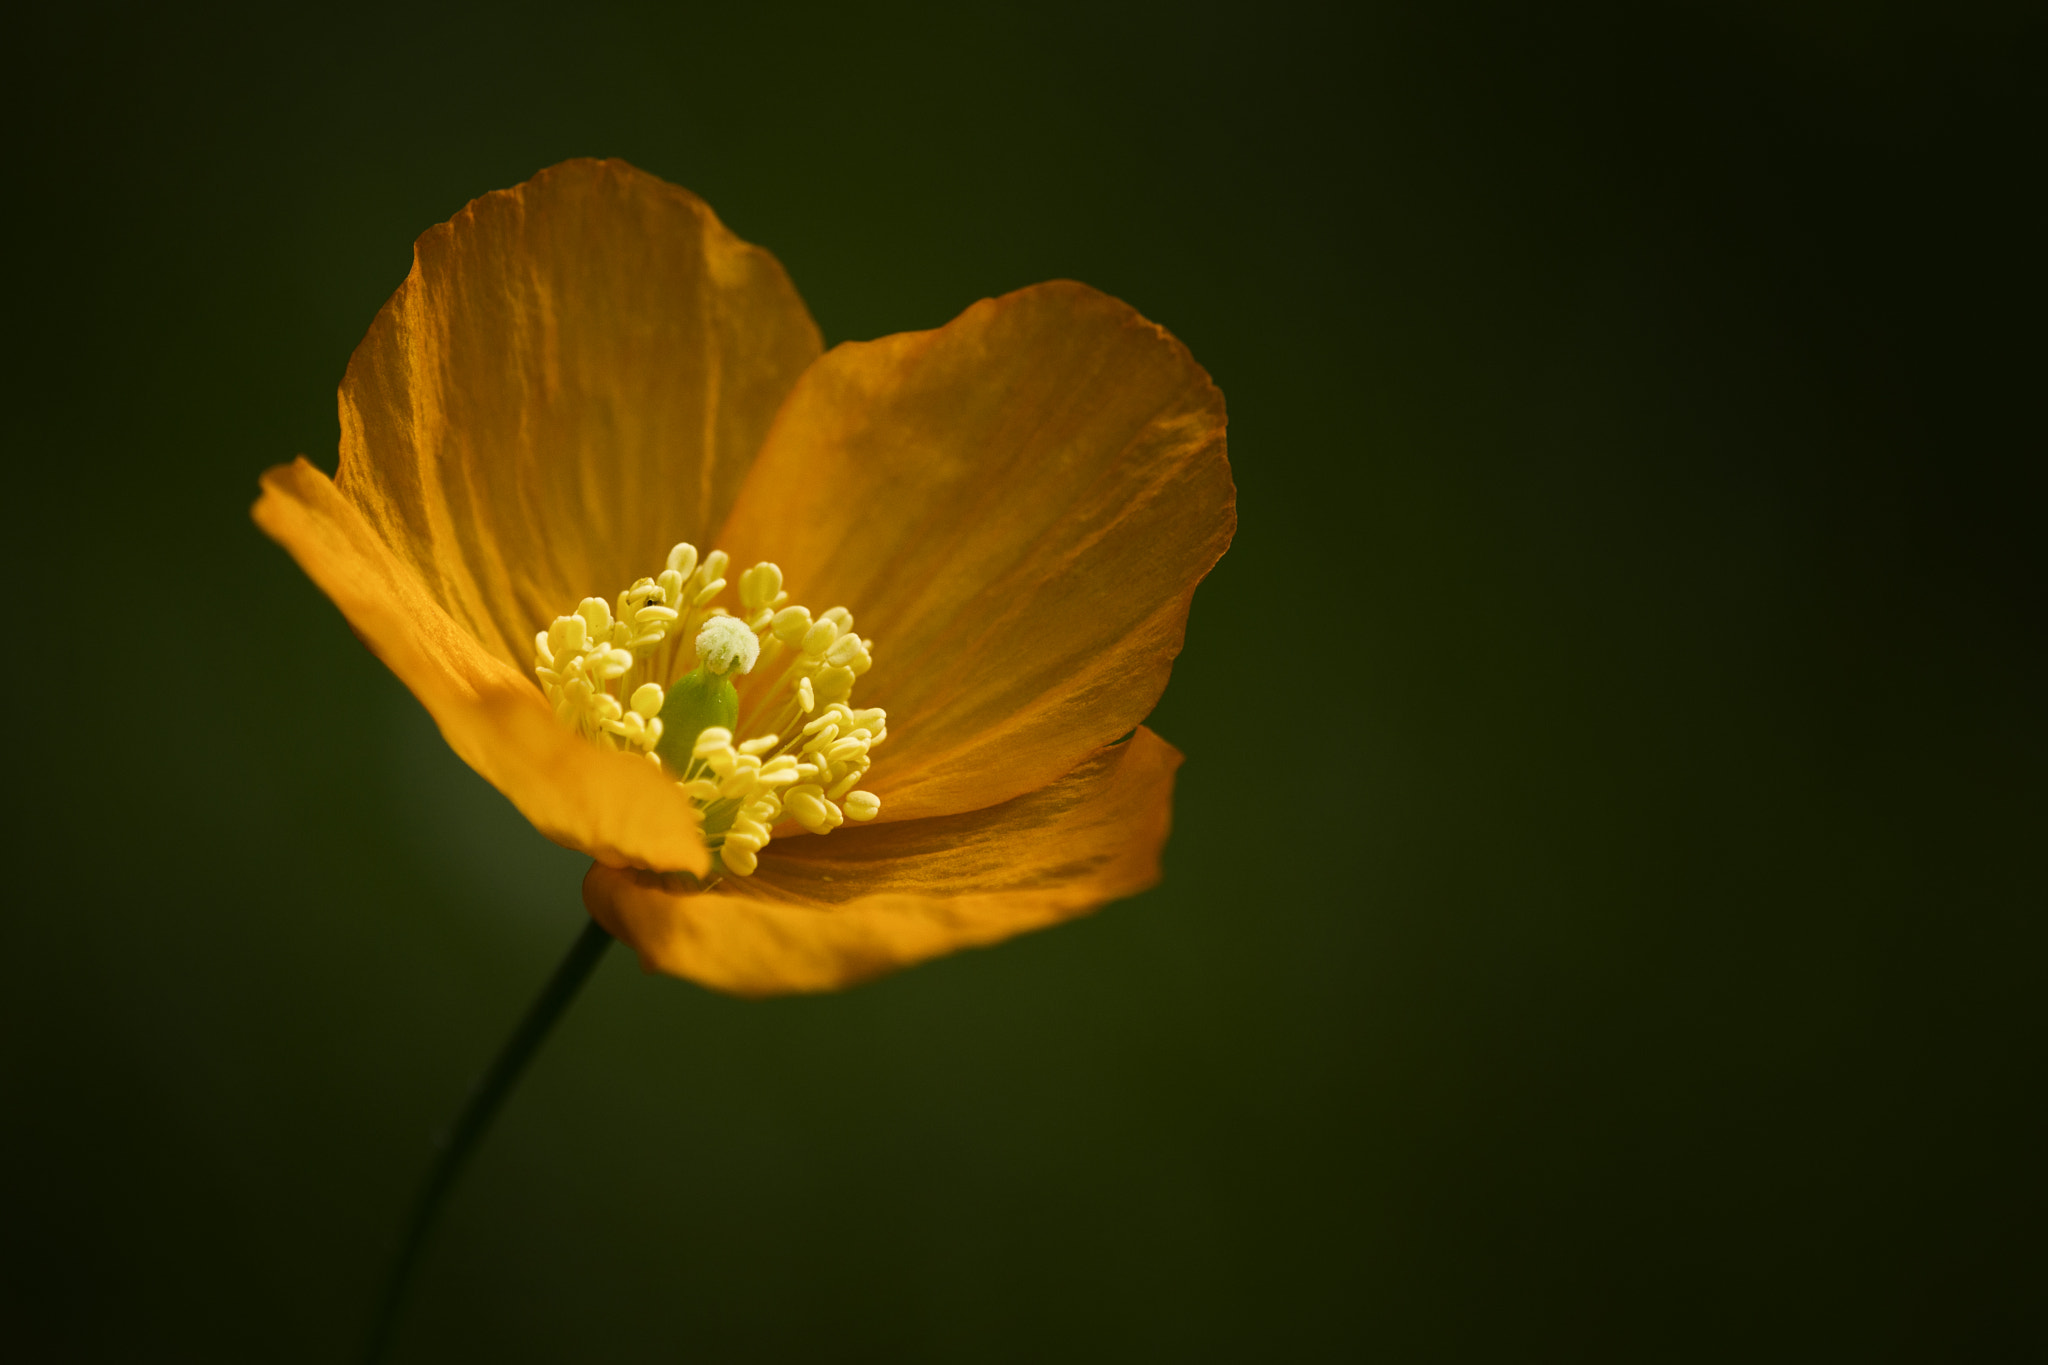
(483, 1106)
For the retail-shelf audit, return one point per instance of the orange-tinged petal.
(821, 913)
(616, 808)
(1016, 508)
(573, 378)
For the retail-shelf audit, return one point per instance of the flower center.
(711, 696)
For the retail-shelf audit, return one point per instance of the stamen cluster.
(607, 673)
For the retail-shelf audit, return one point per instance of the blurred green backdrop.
(1638, 431)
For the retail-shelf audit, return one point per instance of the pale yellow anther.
(701, 789)
(827, 732)
(862, 805)
(568, 635)
(682, 560)
(761, 620)
(835, 684)
(840, 617)
(631, 599)
(847, 748)
(739, 860)
(712, 739)
(843, 650)
(806, 695)
(647, 699)
(713, 566)
(707, 592)
(792, 624)
(820, 637)
(760, 744)
(671, 585)
(760, 585)
(808, 807)
(597, 615)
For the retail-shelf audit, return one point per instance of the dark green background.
(1605, 915)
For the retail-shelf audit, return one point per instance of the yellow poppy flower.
(587, 444)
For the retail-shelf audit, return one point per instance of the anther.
(819, 637)
(792, 624)
(760, 586)
(843, 650)
(568, 635)
(835, 684)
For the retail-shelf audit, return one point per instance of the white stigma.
(725, 645)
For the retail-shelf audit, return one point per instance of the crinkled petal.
(614, 807)
(1016, 509)
(574, 377)
(825, 912)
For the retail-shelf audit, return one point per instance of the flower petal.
(614, 807)
(574, 377)
(822, 913)
(1016, 508)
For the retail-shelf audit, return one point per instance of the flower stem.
(484, 1102)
